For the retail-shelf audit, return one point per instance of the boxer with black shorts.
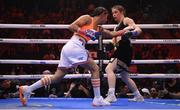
(122, 56)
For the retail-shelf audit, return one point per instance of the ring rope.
(69, 76)
(19, 61)
(60, 41)
(54, 26)
(65, 26)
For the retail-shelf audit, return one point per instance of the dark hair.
(98, 11)
(120, 8)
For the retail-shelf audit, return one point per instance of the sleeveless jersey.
(124, 48)
(85, 27)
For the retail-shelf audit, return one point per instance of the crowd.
(66, 11)
(76, 88)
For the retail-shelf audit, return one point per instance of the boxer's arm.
(132, 26)
(81, 21)
(111, 34)
(175, 95)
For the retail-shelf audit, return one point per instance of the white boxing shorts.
(73, 53)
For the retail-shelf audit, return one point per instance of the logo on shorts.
(80, 58)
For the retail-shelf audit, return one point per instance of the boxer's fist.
(129, 34)
(110, 46)
(92, 34)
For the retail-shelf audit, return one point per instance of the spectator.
(146, 93)
(77, 87)
(124, 92)
(154, 93)
(8, 89)
(77, 90)
(171, 90)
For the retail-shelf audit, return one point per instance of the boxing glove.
(92, 34)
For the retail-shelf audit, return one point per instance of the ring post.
(100, 54)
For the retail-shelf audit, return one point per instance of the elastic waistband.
(119, 62)
(79, 39)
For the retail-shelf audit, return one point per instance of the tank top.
(85, 27)
(120, 26)
(124, 48)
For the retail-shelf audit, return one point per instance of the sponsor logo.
(170, 40)
(41, 62)
(80, 58)
(35, 40)
(171, 25)
(35, 76)
(132, 62)
(38, 25)
(176, 61)
(133, 74)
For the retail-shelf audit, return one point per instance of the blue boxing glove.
(92, 34)
(130, 34)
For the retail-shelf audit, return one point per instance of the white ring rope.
(65, 26)
(19, 61)
(149, 26)
(61, 41)
(110, 26)
(156, 75)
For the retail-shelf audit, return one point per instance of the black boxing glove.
(109, 46)
(130, 34)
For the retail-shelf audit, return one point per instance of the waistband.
(122, 64)
(79, 39)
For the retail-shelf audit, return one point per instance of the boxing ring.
(85, 103)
